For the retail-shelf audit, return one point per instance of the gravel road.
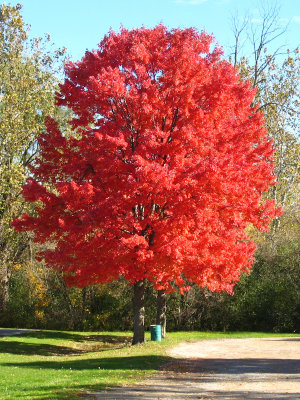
(13, 332)
(227, 369)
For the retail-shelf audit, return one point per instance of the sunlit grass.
(55, 365)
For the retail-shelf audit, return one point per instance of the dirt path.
(227, 369)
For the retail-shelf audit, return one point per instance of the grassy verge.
(56, 365)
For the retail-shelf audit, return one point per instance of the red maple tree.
(169, 169)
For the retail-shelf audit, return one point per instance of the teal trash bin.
(155, 331)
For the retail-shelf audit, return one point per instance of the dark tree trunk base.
(139, 312)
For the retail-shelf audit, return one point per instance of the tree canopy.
(167, 166)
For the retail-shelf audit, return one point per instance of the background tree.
(27, 85)
(161, 311)
(169, 169)
(275, 73)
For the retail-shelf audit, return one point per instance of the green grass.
(56, 365)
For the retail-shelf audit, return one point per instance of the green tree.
(275, 73)
(28, 78)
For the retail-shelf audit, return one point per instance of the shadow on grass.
(23, 348)
(110, 363)
(86, 344)
(76, 337)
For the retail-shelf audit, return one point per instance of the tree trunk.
(5, 295)
(161, 309)
(139, 312)
(4, 285)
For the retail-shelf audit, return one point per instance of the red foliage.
(169, 170)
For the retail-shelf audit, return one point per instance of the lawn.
(57, 365)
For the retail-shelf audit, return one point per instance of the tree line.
(32, 295)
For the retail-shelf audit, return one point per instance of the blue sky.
(81, 24)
